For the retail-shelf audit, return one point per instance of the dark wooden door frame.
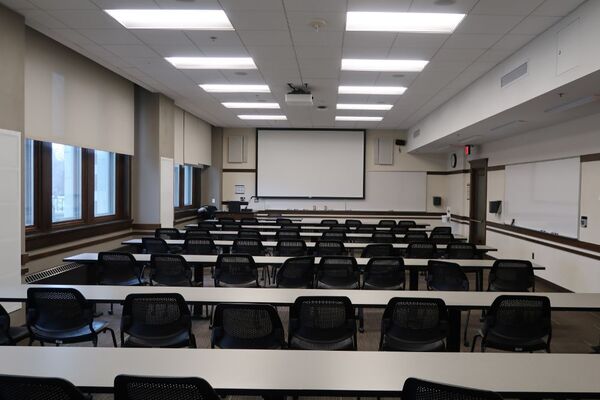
(476, 165)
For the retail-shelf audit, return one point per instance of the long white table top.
(285, 297)
(348, 245)
(315, 235)
(304, 220)
(318, 372)
(269, 227)
(276, 260)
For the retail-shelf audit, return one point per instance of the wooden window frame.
(46, 233)
(182, 211)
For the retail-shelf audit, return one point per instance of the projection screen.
(326, 164)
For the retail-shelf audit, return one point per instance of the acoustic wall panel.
(236, 149)
(384, 151)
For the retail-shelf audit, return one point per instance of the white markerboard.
(544, 196)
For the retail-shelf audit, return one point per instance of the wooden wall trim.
(279, 213)
(496, 168)
(239, 170)
(454, 172)
(145, 227)
(590, 157)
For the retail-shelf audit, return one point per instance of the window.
(104, 183)
(66, 183)
(29, 183)
(176, 185)
(188, 184)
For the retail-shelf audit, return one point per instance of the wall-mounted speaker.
(400, 142)
(437, 201)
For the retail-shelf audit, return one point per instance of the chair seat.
(337, 284)
(383, 286)
(395, 344)
(506, 287)
(179, 283)
(241, 284)
(181, 339)
(501, 342)
(81, 334)
(18, 333)
(121, 282)
(342, 343)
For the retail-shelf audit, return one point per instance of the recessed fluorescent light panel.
(351, 64)
(226, 88)
(402, 22)
(263, 117)
(357, 118)
(251, 105)
(214, 20)
(367, 107)
(212, 62)
(376, 90)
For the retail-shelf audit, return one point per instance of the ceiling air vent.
(416, 133)
(514, 75)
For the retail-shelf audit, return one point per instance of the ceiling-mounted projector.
(299, 96)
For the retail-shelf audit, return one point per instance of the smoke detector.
(317, 24)
(299, 96)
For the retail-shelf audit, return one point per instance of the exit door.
(478, 201)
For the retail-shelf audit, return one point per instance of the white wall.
(197, 136)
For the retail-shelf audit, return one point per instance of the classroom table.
(313, 221)
(413, 265)
(455, 301)
(318, 228)
(314, 373)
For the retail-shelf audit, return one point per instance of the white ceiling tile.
(205, 76)
(315, 5)
(465, 55)
(177, 50)
(313, 38)
(258, 20)
(358, 78)
(19, 4)
(196, 4)
(301, 20)
(457, 6)
(112, 4)
(488, 24)
(533, 25)
(463, 41)
(65, 4)
(132, 51)
(42, 18)
(412, 53)
(266, 38)
(252, 5)
(506, 7)
(83, 19)
(225, 51)
(320, 68)
(110, 36)
(513, 42)
(211, 38)
(557, 8)
(74, 36)
(495, 56)
(270, 53)
(308, 52)
(366, 52)
(368, 39)
(379, 5)
(420, 40)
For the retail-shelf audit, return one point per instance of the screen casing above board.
(310, 164)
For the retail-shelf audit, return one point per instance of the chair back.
(128, 387)
(297, 272)
(417, 389)
(290, 247)
(117, 268)
(57, 309)
(421, 250)
(246, 326)
(5, 338)
(441, 230)
(441, 238)
(253, 247)
(512, 276)
(226, 220)
(407, 323)
(200, 245)
(329, 222)
(206, 225)
(353, 223)
(365, 229)
(378, 250)
(383, 237)
(155, 316)
(230, 226)
(283, 221)
(329, 248)
(236, 270)
(461, 251)
(249, 234)
(155, 245)
(34, 388)
(169, 270)
(387, 273)
(287, 234)
(339, 228)
(520, 318)
(334, 235)
(386, 223)
(407, 223)
(446, 276)
(167, 233)
(249, 221)
(400, 230)
(412, 237)
(197, 233)
(338, 272)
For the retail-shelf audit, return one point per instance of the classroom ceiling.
(278, 36)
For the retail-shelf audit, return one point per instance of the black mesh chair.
(117, 269)
(196, 233)
(167, 233)
(442, 230)
(422, 250)
(412, 237)
(511, 276)
(378, 250)
(156, 320)
(353, 223)
(329, 222)
(287, 234)
(517, 323)
(246, 326)
(445, 276)
(230, 226)
(407, 223)
(322, 323)
(226, 220)
(290, 248)
(414, 324)
(200, 245)
(386, 223)
(169, 270)
(249, 221)
(334, 235)
(441, 238)
(383, 237)
(339, 228)
(34, 388)
(337, 272)
(62, 316)
(283, 221)
(129, 387)
(249, 234)
(400, 230)
(236, 270)
(297, 272)
(461, 251)
(253, 247)
(207, 225)
(384, 273)
(155, 245)
(416, 389)
(10, 335)
(365, 229)
(329, 248)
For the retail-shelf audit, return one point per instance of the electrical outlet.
(533, 256)
(213, 201)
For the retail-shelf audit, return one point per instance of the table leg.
(413, 276)
(453, 341)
